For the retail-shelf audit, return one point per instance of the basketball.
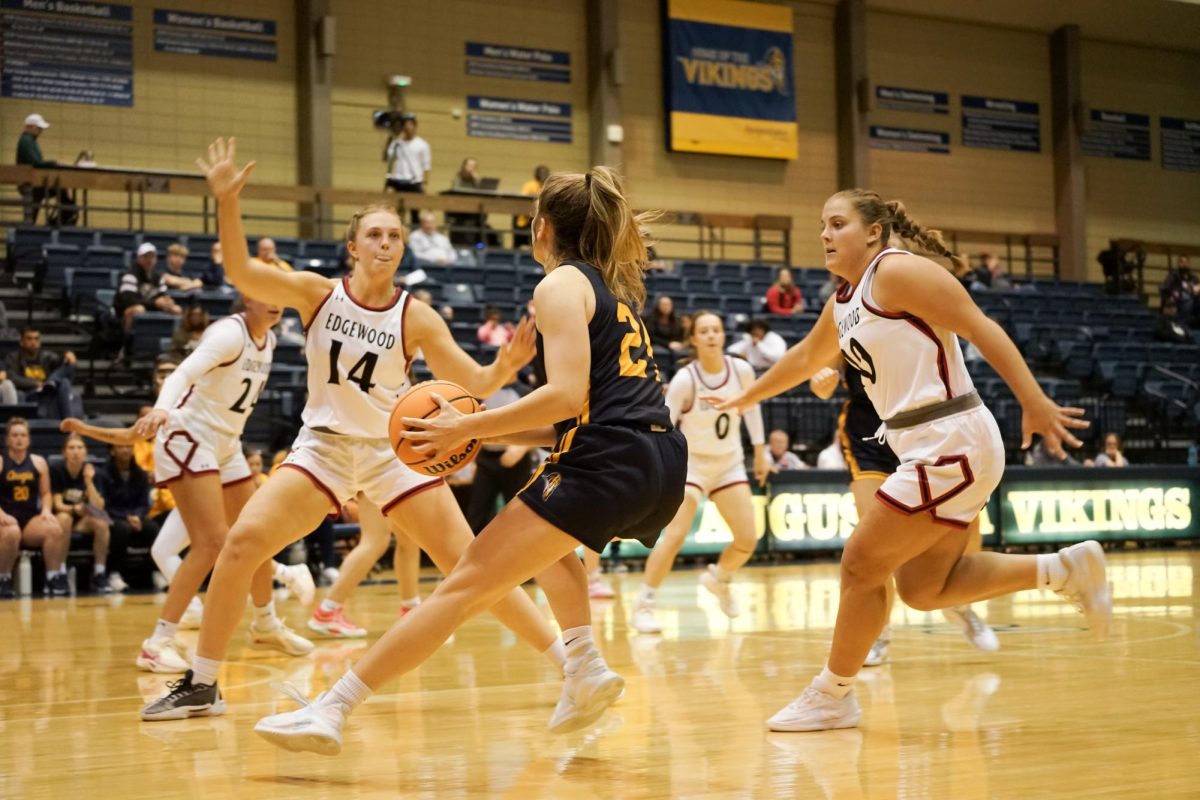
(418, 402)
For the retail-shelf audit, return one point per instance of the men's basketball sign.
(728, 71)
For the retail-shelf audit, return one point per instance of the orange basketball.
(418, 403)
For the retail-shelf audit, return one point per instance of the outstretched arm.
(922, 288)
(425, 330)
(100, 434)
(303, 291)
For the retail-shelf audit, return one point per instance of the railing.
(1152, 261)
(1025, 255)
(142, 200)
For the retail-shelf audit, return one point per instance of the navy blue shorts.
(606, 481)
(865, 456)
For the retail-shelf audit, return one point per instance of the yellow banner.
(734, 136)
(734, 12)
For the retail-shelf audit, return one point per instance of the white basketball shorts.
(948, 467)
(707, 475)
(185, 446)
(343, 466)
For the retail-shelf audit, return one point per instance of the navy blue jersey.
(624, 387)
(20, 490)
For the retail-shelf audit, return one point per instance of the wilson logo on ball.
(456, 460)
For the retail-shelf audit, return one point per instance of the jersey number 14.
(360, 373)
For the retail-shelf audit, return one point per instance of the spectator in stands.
(8, 390)
(1171, 328)
(1113, 455)
(779, 452)
(190, 329)
(125, 487)
(426, 297)
(174, 278)
(469, 229)
(1181, 288)
(26, 513)
(665, 329)
(686, 352)
(143, 287)
(832, 457)
(1119, 265)
(42, 376)
(214, 273)
(80, 509)
(467, 176)
(784, 296)
(254, 460)
(761, 346)
(408, 157)
(29, 153)
(267, 254)
(428, 244)
(980, 278)
(1038, 457)
(494, 331)
(533, 188)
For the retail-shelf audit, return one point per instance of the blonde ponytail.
(594, 223)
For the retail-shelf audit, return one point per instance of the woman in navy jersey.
(617, 468)
(27, 513)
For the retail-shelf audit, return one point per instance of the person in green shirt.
(29, 153)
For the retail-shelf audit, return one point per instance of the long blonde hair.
(594, 223)
(894, 218)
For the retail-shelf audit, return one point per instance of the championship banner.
(727, 68)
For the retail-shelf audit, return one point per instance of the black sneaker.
(100, 583)
(186, 699)
(57, 586)
(6, 588)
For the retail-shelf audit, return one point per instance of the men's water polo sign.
(729, 87)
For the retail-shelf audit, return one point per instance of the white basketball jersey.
(710, 432)
(357, 365)
(224, 397)
(905, 361)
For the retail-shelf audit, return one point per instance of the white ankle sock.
(264, 617)
(556, 653)
(350, 691)
(578, 644)
(280, 572)
(837, 685)
(195, 605)
(204, 670)
(98, 569)
(646, 593)
(411, 602)
(885, 635)
(329, 606)
(1051, 572)
(164, 629)
(723, 575)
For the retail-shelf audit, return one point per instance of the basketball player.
(27, 512)
(896, 321)
(617, 468)
(716, 467)
(361, 331)
(870, 463)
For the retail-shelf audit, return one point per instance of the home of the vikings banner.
(727, 67)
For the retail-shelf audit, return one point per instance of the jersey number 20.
(635, 343)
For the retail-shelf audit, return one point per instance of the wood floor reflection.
(1052, 714)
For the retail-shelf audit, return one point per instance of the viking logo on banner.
(728, 72)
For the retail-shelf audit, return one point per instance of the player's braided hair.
(894, 218)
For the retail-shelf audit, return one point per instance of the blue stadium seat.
(217, 304)
(501, 278)
(126, 240)
(148, 329)
(692, 269)
(693, 285)
(82, 238)
(105, 257)
(458, 293)
(730, 287)
(729, 270)
(499, 294)
(326, 251)
(665, 284)
(500, 258)
(760, 273)
(467, 274)
(200, 243)
(58, 258)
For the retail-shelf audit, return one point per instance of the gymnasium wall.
(1139, 199)
(180, 103)
(426, 41)
(697, 182)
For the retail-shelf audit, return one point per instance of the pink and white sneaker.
(335, 624)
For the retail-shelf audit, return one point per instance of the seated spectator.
(493, 331)
(8, 390)
(80, 509)
(174, 278)
(665, 329)
(1170, 327)
(686, 352)
(833, 457)
(533, 188)
(428, 244)
(125, 488)
(143, 288)
(1119, 265)
(254, 460)
(779, 452)
(784, 296)
(42, 376)
(214, 274)
(426, 297)
(265, 253)
(27, 514)
(1037, 456)
(1112, 456)
(761, 346)
(190, 329)
(980, 278)
(1181, 288)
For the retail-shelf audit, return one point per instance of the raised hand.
(221, 171)
(1052, 421)
(519, 350)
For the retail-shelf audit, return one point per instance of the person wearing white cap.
(29, 153)
(143, 288)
